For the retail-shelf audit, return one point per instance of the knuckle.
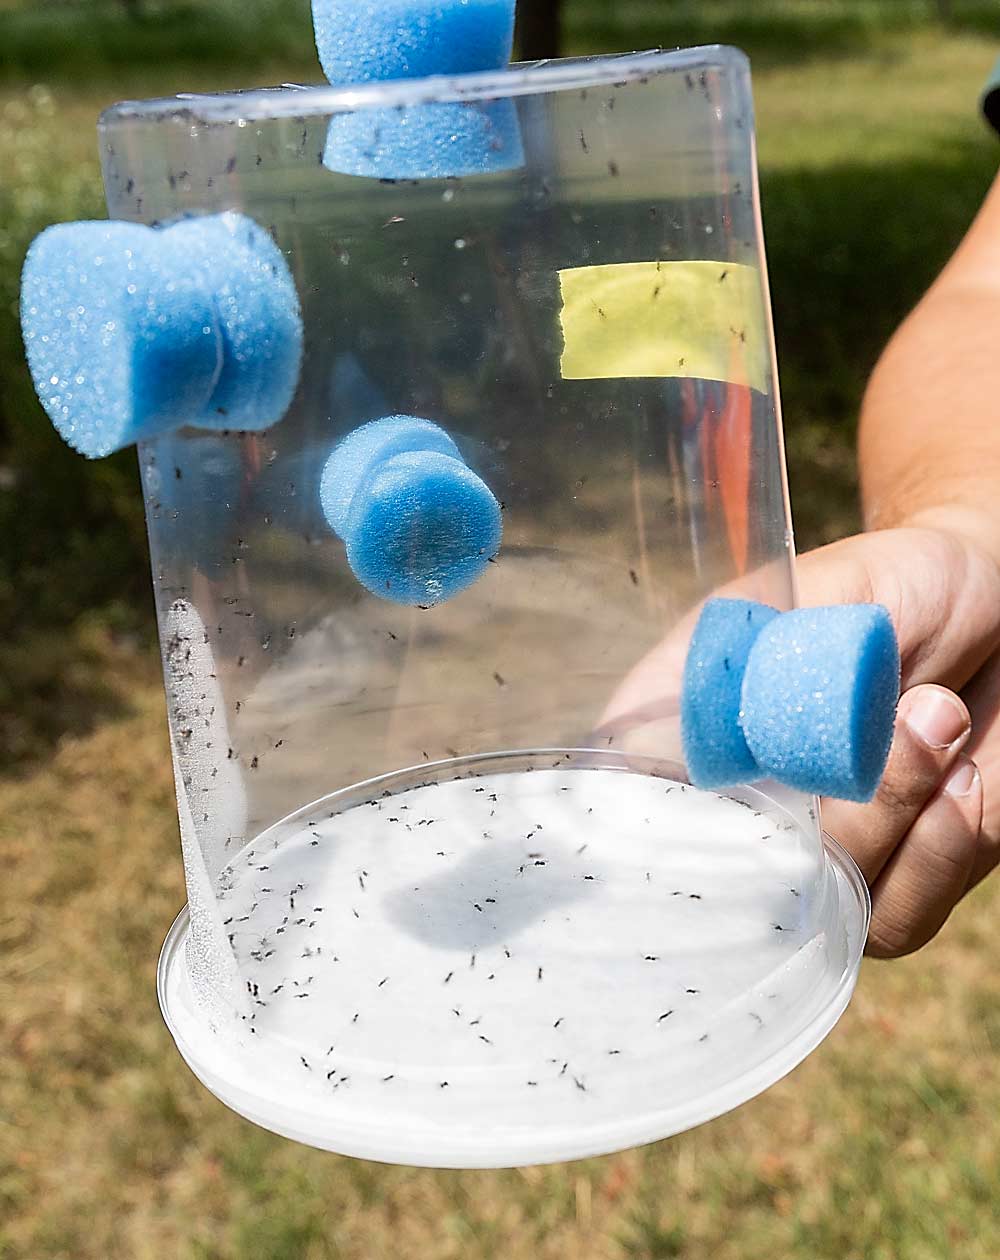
(891, 937)
(902, 791)
(945, 853)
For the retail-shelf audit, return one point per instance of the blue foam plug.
(819, 699)
(423, 529)
(445, 140)
(715, 748)
(355, 458)
(260, 320)
(418, 524)
(371, 41)
(132, 331)
(385, 40)
(121, 335)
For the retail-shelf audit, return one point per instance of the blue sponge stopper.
(819, 699)
(715, 749)
(376, 41)
(260, 321)
(366, 41)
(442, 140)
(122, 337)
(422, 528)
(356, 457)
(132, 331)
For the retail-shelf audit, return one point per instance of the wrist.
(975, 526)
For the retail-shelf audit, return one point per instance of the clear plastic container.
(451, 899)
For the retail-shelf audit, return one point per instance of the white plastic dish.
(520, 959)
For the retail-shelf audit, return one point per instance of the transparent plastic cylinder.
(354, 776)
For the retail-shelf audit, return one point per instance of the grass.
(773, 32)
(52, 38)
(883, 1146)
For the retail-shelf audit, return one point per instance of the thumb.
(942, 594)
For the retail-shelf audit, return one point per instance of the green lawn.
(884, 1146)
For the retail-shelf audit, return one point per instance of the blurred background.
(885, 1145)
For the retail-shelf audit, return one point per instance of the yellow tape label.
(684, 319)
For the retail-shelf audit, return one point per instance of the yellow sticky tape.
(688, 319)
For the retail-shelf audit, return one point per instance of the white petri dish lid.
(520, 958)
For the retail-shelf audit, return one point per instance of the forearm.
(930, 428)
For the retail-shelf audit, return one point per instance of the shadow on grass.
(772, 32)
(770, 38)
(57, 42)
(76, 42)
(64, 682)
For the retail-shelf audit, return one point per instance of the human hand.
(933, 829)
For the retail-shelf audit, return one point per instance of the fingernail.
(937, 719)
(962, 779)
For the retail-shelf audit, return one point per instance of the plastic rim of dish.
(205, 1053)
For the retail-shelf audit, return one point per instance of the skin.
(929, 454)
(930, 473)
